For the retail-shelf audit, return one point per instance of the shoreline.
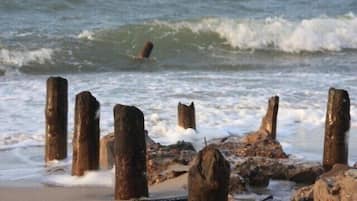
(35, 191)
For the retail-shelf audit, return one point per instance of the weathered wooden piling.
(56, 119)
(208, 178)
(146, 51)
(86, 134)
(337, 126)
(269, 121)
(130, 153)
(106, 152)
(186, 115)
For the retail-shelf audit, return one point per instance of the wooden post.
(86, 134)
(186, 116)
(269, 121)
(56, 119)
(130, 153)
(208, 178)
(337, 126)
(146, 51)
(106, 152)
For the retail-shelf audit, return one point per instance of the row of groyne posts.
(130, 147)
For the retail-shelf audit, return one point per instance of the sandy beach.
(27, 191)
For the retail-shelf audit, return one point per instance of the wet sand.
(25, 191)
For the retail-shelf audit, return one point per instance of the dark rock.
(237, 184)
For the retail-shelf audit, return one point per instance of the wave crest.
(20, 58)
(311, 35)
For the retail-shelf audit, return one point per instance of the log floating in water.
(56, 119)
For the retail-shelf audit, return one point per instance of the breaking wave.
(20, 58)
(210, 42)
(277, 33)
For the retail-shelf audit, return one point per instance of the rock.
(237, 184)
(258, 178)
(304, 172)
(337, 170)
(208, 178)
(339, 184)
(355, 165)
(258, 170)
(182, 145)
(160, 157)
(106, 153)
(303, 194)
(264, 147)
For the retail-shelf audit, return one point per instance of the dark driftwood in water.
(130, 153)
(269, 121)
(86, 134)
(56, 119)
(337, 126)
(186, 116)
(146, 51)
(208, 178)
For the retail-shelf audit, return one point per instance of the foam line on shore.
(90, 178)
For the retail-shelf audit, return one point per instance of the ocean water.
(228, 57)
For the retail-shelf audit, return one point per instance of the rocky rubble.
(163, 162)
(161, 157)
(339, 184)
(255, 158)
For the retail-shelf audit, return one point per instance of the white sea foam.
(20, 140)
(89, 35)
(90, 178)
(20, 58)
(315, 34)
